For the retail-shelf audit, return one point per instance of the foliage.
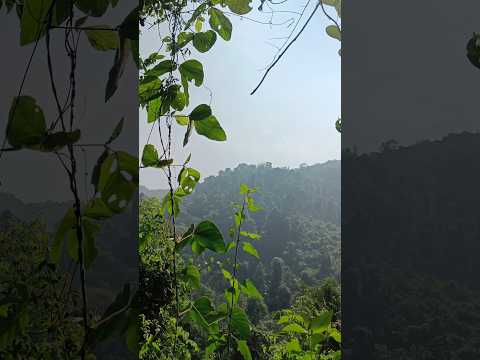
(114, 176)
(37, 315)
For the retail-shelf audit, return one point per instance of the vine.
(27, 129)
(164, 92)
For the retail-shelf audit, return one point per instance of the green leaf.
(186, 238)
(133, 332)
(188, 179)
(167, 205)
(150, 155)
(201, 112)
(338, 125)
(188, 133)
(183, 39)
(196, 13)
(199, 24)
(179, 101)
(102, 40)
(192, 70)
(26, 123)
(97, 169)
(116, 72)
(240, 7)
(334, 32)
(128, 163)
(250, 235)
(192, 276)
(58, 140)
(230, 246)
(251, 206)
(203, 41)
(118, 191)
(220, 23)
(330, 2)
(289, 317)
(90, 252)
(210, 128)
(161, 68)
(243, 349)
(154, 111)
(294, 328)
(32, 21)
(207, 235)
(97, 209)
(232, 293)
(227, 275)
(250, 249)
(240, 324)
(338, 7)
(321, 322)
(336, 335)
(250, 290)
(182, 119)
(293, 346)
(116, 132)
(244, 189)
(149, 90)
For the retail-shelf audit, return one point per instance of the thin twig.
(288, 46)
(235, 271)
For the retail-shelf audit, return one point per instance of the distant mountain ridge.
(299, 221)
(144, 191)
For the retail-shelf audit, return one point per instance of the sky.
(288, 121)
(405, 74)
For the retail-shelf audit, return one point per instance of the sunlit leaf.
(240, 324)
(240, 7)
(334, 32)
(201, 112)
(250, 290)
(294, 328)
(244, 350)
(207, 234)
(220, 23)
(210, 128)
(250, 249)
(203, 41)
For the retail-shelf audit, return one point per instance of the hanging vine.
(27, 129)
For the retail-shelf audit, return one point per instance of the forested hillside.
(295, 260)
(299, 222)
(425, 240)
(119, 252)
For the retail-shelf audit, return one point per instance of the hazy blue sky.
(288, 121)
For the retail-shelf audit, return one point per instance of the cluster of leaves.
(38, 316)
(161, 337)
(306, 338)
